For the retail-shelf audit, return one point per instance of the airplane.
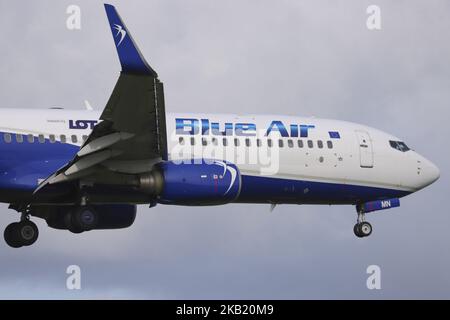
(83, 170)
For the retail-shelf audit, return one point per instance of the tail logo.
(120, 31)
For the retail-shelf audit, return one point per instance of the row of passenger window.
(20, 138)
(214, 141)
(248, 142)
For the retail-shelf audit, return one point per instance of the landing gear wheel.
(86, 218)
(27, 232)
(71, 226)
(19, 234)
(356, 231)
(365, 229)
(362, 229)
(10, 235)
(75, 230)
(81, 219)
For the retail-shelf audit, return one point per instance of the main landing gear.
(362, 228)
(20, 234)
(76, 219)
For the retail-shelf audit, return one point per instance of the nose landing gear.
(362, 228)
(20, 234)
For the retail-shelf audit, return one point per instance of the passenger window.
(62, 138)
(204, 142)
(74, 138)
(258, 142)
(85, 137)
(300, 143)
(236, 142)
(247, 142)
(193, 141)
(280, 143)
(52, 138)
(214, 141)
(181, 140)
(290, 143)
(330, 144)
(41, 138)
(320, 144)
(7, 137)
(310, 144)
(225, 142)
(30, 138)
(19, 138)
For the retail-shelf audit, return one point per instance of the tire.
(27, 232)
(365, 228)
(357, 231)
(69, 224)
(83, 219)
(11, 235)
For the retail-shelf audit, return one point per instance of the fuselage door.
(365, 149)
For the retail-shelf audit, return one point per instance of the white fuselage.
(306, 149)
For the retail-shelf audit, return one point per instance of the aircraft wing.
(131, 133)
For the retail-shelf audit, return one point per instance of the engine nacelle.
(199, 182)
(190, 182)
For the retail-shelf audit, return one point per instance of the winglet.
(130, 57)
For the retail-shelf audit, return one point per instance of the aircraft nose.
(430, 173)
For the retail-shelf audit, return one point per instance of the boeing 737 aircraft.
(83, 170)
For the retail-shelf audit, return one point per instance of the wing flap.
(91, 160)
(103, 142)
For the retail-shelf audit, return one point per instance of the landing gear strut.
(20, 234)
(362, 228)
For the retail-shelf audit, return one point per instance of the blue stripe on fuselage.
(258, 189)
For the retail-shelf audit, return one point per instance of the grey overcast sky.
(248, 56)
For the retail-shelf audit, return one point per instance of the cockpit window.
(399, 145)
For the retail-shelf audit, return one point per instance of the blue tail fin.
(130, 57)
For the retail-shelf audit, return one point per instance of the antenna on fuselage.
(88, 105)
